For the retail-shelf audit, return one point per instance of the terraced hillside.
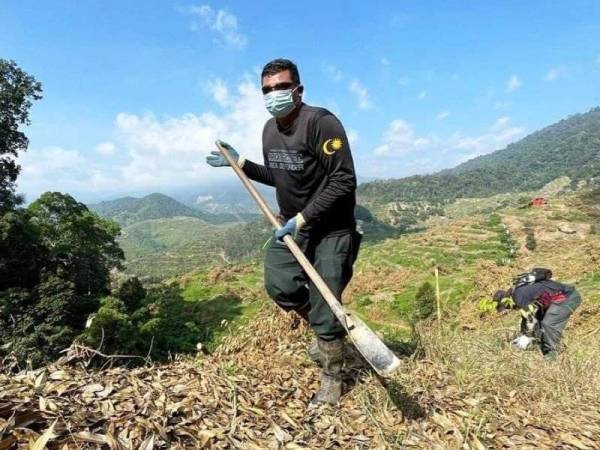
(164, 248)
(461, 385)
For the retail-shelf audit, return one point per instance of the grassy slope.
(240, 282)
(468, 387)
(465, 387)
(472, 261)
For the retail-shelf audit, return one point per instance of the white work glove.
(522, 342)
(216, 158)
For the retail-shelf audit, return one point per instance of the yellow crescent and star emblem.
(330, 146)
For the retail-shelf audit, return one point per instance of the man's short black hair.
(279, 65)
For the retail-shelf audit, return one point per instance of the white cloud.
(53, 159)
(362, 95)
(335, 73)
(422, 95)
(501, 123)
(442, 115)
(554, 73)
(513, 83)
(52, 169)
(171, 151)
(106, 148)
(499, 135)
(407, 153)
(218, 91)
(221, 22)
(155, 153)
(400, 138)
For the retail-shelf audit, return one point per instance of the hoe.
(370, 346)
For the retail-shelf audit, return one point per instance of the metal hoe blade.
(370, 346)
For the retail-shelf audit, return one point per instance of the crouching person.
(545, 306)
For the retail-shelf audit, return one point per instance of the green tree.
(55, 255)
(112, 327)
(17, 91)
(80, 245)
(163, 318)
(56, 267)
(38, 323)
(172, 322)
(21, 254)
(131, 292)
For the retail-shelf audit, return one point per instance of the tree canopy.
(17, 92)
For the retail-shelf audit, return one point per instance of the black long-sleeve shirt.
(541, 292)
(311, 167)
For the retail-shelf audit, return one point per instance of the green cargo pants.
(289, 286)
(555, 320)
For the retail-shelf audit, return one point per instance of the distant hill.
(570, 148)
(130, 210)
(165, 247)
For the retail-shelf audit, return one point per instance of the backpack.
(534, 275)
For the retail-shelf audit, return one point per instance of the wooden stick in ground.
(437, 294)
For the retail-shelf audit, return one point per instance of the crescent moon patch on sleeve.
(325, 149)
(330, 146)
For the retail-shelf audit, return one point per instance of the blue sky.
(136, 92)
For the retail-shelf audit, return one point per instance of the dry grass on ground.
(466, 389)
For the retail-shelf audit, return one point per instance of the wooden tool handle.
(253, 192)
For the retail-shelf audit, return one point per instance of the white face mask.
(280, 103)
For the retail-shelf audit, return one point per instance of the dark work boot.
(332, 360)
(313, 351)
(353, 360)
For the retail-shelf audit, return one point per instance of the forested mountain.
(129, 210)
(570, 148)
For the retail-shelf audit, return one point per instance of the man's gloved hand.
(292, 227)
(216, 158)
(522, 342)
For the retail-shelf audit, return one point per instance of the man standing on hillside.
(307, 159)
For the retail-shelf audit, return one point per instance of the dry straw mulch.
(254, 391)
